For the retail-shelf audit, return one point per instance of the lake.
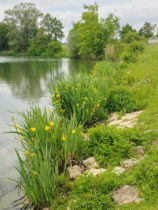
(25, 81)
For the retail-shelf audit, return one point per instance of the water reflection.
(24, 81)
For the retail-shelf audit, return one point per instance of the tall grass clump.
(79, 97)
(48, 145)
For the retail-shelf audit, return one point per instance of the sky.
(134, 12)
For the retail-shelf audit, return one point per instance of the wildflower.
(51, 124)
(63, 138)
(56, 90)
(33, 155)
(47, 128)
(58, 95)
(21, 137)
(94, 90)
(20, 130)
(53, 95)
(73, 131)
(32, 129)
(26, 152)
(77, 105)
(16, 126)
(34, 173)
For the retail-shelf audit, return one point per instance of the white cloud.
(134, 12)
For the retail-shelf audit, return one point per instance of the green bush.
(54, 49)
(108, 145)
(120, 100)
(91, 193)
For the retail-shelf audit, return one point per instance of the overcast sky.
(134, 12)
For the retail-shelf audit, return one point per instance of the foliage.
(93, 192)
(52, 27)
(120, 100)
(42, 46)
(54, 49)
(72, 41)
(133, 45)
(38, 44)
(22, 20)
(125, 30)
(78, 97)
(111, 27)
(89, 36)
(108, 145)
(3, 36)
(147, 30)
(48, 145)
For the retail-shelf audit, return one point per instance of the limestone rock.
(86, 137)
(139, 150)
(129, 163)
(118, 170)
(90, 163)
(126, 194)
(74, 171)
(95, 171)
(127, 121)
(155, 143)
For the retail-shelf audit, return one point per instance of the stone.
(95, 171)
(114, 116)
(138, 150)
(45, 209)
(118, 170)
(90, 163)
(126, 121)
(126, 194)
(74, 171)
(129, 163)
(155, 143)
(86, 137)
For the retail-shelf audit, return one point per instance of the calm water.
(24, 81)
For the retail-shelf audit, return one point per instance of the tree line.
(93, 37)
(27, 29)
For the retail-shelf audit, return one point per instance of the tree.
(53, 27)
(147, 30)
(72, 41)
(3, 36)
(133, 36)
(54, 49)
(111, 27)
(125, 30)
(22, 20)
(90, 31)
(38, 44)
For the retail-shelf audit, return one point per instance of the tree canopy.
(22, 20)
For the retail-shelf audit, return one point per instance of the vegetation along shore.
(96, 148)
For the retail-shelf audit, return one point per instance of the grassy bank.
(53, 140)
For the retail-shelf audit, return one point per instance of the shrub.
(54, 49)
(78, 97)
(120, 100)
(108, 145)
